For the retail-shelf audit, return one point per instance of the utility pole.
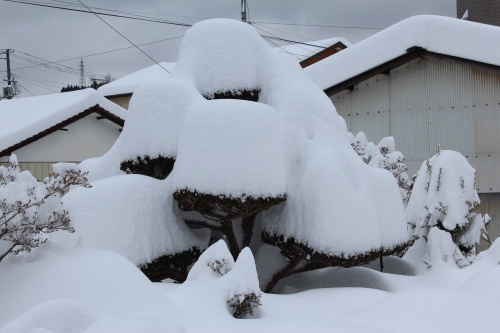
(7, 54)
(11, 90)
(82, 74)
(244, 7)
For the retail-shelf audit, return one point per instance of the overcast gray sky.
(54, 34)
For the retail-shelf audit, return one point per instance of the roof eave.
(411, 53)
(94, 109)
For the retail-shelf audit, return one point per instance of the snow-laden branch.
(30, 209)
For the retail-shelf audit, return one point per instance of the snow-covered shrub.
(135, 216)
(244, 292)
(239, 279)
(444, 196)
(30, 209)
(216, 258)
(384, 156)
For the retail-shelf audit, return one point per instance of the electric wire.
(26, 89)
(312, 40)
(99, 53)
(321, 25)
(100, 13)
(109, 25)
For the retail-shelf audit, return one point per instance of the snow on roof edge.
(438, 34)
(27, 117)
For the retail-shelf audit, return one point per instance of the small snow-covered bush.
(444, 196)
(30, 209)
(384, 156)
(238, 279)
(244, 292)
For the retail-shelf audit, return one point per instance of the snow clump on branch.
(30, 209)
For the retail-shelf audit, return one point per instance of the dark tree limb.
(283, 273)
(381, 263)
(247, 225)
(231, 238)
(8, 251)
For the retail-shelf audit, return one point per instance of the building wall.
(85, 138)
(482, 11)
(427, 102)
(39, 170)
(122, 101)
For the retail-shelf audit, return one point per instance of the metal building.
(428, 96)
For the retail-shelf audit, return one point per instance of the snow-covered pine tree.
(230, 175)
(384, 156)
(444, 196)
(30, 209)
(248, 130)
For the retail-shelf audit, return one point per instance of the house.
(427, 80)
(120, 91)
(65, 127)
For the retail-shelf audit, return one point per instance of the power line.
(109, 25)
(26, 89)
(312, 40)
(100, 13)
(39, 86)
(95, 54)
(320, 25)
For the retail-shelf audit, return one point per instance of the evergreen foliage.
(251, 95)
(171, 266)
(158, 167)
(221, 210)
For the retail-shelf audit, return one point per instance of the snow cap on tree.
(441, 249)
(134, 216)
(232, 148)
(444, 195)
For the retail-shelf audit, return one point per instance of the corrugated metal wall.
(427, 102)
(490, 204)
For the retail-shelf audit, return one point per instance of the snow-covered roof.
(24, 118)
(437, 34)
(128, 83)
(303, 52)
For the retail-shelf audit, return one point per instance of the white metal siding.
(490, 204)
(432, 102)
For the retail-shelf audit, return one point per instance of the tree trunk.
(247, 225)
(287, 271)
(381, 263)
(231, 238)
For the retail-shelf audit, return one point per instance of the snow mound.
(232, 148)
(132, 215)
(334, 277)
(216, 259)
(99, 280)
(242, 279)
(492, 254)
(57, 316)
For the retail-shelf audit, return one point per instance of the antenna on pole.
(82, 74)
(244, 7)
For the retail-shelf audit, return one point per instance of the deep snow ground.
(61, 288)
